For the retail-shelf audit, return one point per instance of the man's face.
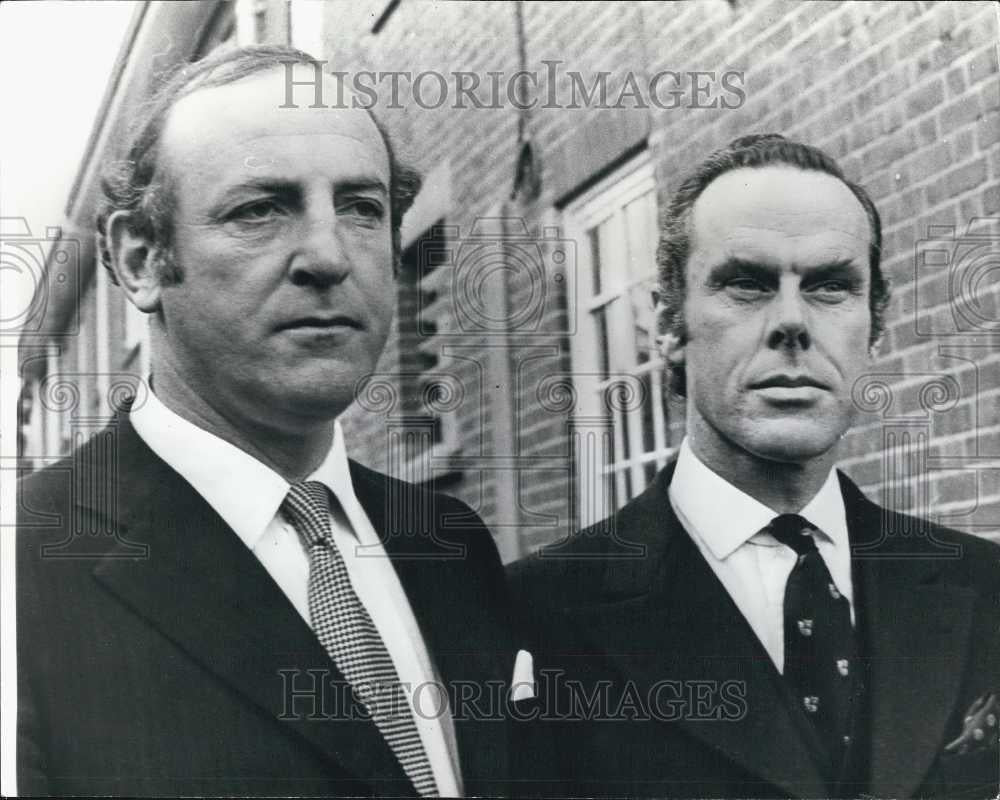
(776, 314)
(282, 233)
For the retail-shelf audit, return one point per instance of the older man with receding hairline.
(288, 626)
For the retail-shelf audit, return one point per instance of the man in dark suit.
(267, 617)
(752, 625)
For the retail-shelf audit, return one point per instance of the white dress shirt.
(248, 494)
(726, 524)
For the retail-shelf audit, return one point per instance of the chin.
(315, 403)
(792, 443)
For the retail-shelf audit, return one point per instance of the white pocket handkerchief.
(522, 684)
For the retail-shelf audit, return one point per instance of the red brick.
(988, 130)
(925, 98)
(811, 13)
(952, 448)
(990, 94)
(955, 420)
(865, 133)
(951, 46)
(945, 216)
(962, 148)
(959, 180)
(927, 131)
(890, 19)
(983, 64)
(933, 289)
(954, 486)
(968, 207)
(862, 72)
(914, 39)
(930, 161)
(982, 27)
(990, 199)
(961, 112)
(956, 81)
(879, 187)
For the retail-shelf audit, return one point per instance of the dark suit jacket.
(675, 695)
(155, 652)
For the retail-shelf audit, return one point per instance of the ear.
(672, 349)
(670, 344)
(874, 347)
(134, 261)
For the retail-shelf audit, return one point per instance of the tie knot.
(307, 507)
(795, 532)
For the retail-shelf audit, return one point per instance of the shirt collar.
(724, 517)
(243, 491)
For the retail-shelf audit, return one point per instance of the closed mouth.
(321, 322)
(788, 382)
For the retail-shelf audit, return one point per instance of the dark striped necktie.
(346, 630)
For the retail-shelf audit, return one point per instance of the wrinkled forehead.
(783, 207)
(247, 116)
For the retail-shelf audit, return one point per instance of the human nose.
(320, 257)
(788, 321)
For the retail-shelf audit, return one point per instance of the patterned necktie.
(350, 637)
(819, 638)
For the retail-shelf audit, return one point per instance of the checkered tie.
(350, 637)
(819, 639)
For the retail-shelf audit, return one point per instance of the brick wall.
(905, 94)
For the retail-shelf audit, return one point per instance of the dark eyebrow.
(735, 266)
(292, 190)
(274, 186)
(354, 186)
(835, 269)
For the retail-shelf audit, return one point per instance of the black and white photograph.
(442, 398)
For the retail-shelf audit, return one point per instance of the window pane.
(616, 497)
(594, 237)
(622, 419)
(611, 246)
(603, 357)
(641, 236)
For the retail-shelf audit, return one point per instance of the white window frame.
(606, 201)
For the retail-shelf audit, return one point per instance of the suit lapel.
(690, 630)
(203, 589)
(916, 633)
(455, 617)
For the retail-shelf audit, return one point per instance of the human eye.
(833, 290)
(256, 212)
(365, 210)
(746, 287)
(745, 283)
